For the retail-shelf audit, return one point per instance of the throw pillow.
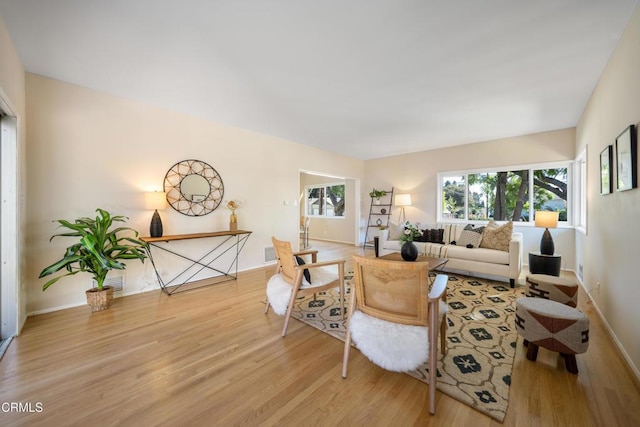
(434, 235)
(306, 273)
(395, 231)
(470, 236)
(497, 237)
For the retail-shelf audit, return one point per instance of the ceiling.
(364, 78)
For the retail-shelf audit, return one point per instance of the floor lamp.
(402, 200)
(547, 220)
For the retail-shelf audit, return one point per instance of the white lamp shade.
(547, 219)
(402, 200)
(155, 200)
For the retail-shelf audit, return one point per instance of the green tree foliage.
(505, 195)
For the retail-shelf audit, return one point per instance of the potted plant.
(377, 194)
(97, 251)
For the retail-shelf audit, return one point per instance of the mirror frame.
(179, 202)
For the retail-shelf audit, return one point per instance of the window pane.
(334, 200)
(314, 201)
(550, 191)
(453, 189)
(499, 195)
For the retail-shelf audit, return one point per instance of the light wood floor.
(211, 357)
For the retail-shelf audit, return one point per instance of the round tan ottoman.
(554, 326)
(551, 287)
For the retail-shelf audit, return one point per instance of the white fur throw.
(278, 294)
(279, 291)
(392, 346)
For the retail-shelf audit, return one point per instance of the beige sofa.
(479, 261)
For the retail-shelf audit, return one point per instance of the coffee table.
(434, 263)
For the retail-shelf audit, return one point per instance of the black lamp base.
(155, 230)
(546, 244)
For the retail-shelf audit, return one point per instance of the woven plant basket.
(99, 300)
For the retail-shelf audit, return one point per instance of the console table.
(226, 242)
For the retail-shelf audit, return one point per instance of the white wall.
(609, 251)
(12, 92)
(417, 174)
(88, 149)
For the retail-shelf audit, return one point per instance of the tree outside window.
(325, 200)
(505, 195)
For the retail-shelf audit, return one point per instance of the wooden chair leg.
(289, 310)
(347, 338)
(433, 355)
(341, 278)
(443, 335)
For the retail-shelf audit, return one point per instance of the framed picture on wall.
(606, 165)
(626, 160)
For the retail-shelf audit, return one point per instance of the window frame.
(321, 186)
(581, 172)
(568, 164)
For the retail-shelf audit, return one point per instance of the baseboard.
(612, 334)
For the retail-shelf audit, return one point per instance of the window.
(325, 200)
(580, 180)
(504, 195)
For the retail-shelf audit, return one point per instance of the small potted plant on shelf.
(377, 194)
(97, 251)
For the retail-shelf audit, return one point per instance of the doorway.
(331, 218)
(9, 279)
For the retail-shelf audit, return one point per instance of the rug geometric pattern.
(481, 339)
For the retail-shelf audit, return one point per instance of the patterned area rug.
(481, 339)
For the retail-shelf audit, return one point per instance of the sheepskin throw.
(392, 346)
(279, 291)
(278, 294)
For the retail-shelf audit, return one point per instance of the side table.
(544, 264)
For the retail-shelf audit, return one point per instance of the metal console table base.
(233, 242)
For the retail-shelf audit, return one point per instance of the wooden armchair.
(393, 318)
(289, 281)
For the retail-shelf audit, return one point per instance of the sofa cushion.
(497, 237)
(395, 230)
(470, 236)
(451, 232)
(435, 235)
(431, 235)
(490, 256)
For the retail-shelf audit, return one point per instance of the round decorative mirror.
(193, 187)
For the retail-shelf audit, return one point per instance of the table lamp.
(546, 220)
(155, 200)
(402, 200)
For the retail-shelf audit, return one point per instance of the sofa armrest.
(515, 256)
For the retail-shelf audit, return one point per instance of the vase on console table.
(233, 222)
(409, 251)
(233, 219)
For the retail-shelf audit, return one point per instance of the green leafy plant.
(377, 193)
(99, 249)
(410, 232)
